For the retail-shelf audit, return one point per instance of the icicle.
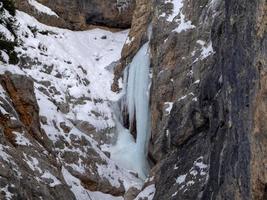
(138, 95)
(128, 153)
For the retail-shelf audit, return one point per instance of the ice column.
(137, 96)
(127, 152)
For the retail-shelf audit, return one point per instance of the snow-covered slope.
(72, 75)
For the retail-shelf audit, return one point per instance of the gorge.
(133, 99)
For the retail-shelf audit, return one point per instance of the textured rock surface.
(81, 14)
(207, 98)
(138, 35)
(20, 145)
(21, 92)
(48, 148)
(208, 104)
(208, 135)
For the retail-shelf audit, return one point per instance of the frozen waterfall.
(137, 96)
(127, 152)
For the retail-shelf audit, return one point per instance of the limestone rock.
(83, 14)
(207, 98)
(138, 35)
(21, 92)
(131, 193)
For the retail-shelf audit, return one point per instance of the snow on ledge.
(48, 175)
(41, 8)
(148, 193)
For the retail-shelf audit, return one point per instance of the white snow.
(195, 99)
(181, 179)
(81, 193)
(198, 172)
(201, 166)
(81, 48)
(116, 176)
(169, 107)
(206, 50)
(48, 175)
(148, 193)
(197, 82)
(5, 56)
(21, 139)
(8, 195)
(190, 183)
(32, 163)
(174, 194)
(177, 6)
(201, 42)
(67, 51)
(182, 98)
(7, 34)
(185, 96)
(184, 24)
(3, 154)
(193, 172)
(129, 40)
(41, 8)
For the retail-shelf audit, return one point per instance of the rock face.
(208, 102)
(207, 99)
(209, 138)
(20, 147)
(82, 14)
(21, 92)
(53, 118)
(138, 35)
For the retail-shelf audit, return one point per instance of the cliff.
(62, 99)
(207, 103)
(81, 14)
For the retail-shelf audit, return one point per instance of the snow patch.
(48, 175)
(169, 107)
(184, 24)
(148, 193)
(81, 193)
(33, 163)
(41, 8)
(129, 40)
(6, 33)
(3, 154)
(181, 179)
(21, 139)
(4, 56)
(206, 50)
(8, 195)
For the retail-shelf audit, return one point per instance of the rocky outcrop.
(25, 147)
(259, 129)
(207, 99)
(82, 14)
(25, 151)
(208, 104)
(48, 149)
(210, 127)
(21, 93)
(138, 35)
